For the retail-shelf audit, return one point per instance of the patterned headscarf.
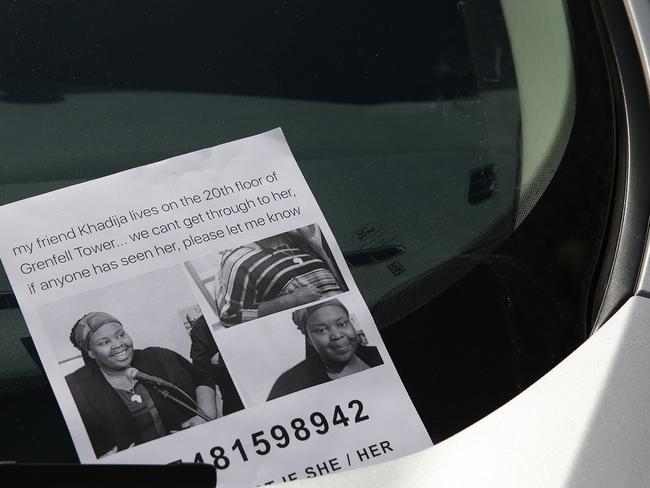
(90, 323)
(300, 317)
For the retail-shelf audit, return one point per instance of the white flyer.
(199, 309)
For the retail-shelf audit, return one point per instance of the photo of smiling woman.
(333, 349)
(128, 396)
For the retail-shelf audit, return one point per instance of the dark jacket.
(106, 417)
(202, 349)
(312, 372)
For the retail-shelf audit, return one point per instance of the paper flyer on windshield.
(199, 309)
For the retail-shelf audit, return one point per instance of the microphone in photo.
(134, 374)
(163, 385)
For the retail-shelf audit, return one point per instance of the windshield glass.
(440, 139)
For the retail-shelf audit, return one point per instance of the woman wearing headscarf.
(333, 349)
(275, 274)
(117, 409)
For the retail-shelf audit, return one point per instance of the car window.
(462, 152)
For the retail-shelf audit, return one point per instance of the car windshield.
(446, 143)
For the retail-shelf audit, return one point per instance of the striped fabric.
(251, 274)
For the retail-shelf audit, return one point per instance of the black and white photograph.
(267, 276)
(139, 360)
(299, 349)
(334, 348)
